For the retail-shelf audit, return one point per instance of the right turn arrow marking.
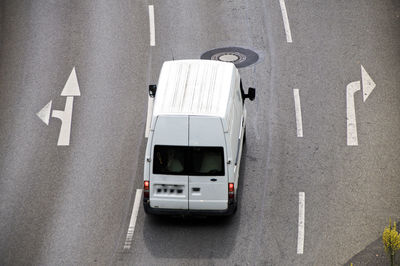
(351, 88)
(368, 84)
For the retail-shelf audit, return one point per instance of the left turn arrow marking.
(44, 114)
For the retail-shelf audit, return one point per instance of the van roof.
(194, 87)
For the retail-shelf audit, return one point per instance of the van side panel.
(237, 131)
(208, 192)
(147, 157)
(173, 131)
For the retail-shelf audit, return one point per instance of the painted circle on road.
(239, 56)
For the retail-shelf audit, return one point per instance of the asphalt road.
(71, 205)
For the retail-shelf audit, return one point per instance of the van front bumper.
(159, 211)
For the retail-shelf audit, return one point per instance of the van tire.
(244, 136)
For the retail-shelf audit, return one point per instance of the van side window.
(183, 160)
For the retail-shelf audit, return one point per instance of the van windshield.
(183, 160)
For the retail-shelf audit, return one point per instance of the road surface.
(306, 196)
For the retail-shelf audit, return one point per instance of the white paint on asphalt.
(132, 223)
(351, 88)
(71, 87)
(70, 90)
(299, 121)
(285, 21)
(66, 118)
(152, 27)
(300, 236)
(368, 85)
(44, 113)
(150, 103)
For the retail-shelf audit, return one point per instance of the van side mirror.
(251, 94)
(152, 90)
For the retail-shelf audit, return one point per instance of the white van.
(196, 137)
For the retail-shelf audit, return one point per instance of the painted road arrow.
(368, 86)
(71, 87)
(70, 90)
(44, 114)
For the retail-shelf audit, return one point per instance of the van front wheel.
(244, 136)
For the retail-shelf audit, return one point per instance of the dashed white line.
(152, 27)
(285, 21)
(299, 121)
(300, 237)
(132, 223)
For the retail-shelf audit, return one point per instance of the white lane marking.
(66, 118)
(152, 27)
(368, 84)
(132, 223)
(71, 89)
(300, 237)
(351, 88)
(150, 103)
(285, 21)
(44, 113)
(299, 121)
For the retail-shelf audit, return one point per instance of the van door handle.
(213, 179)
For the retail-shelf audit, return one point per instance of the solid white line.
(351, 88)
(152, 27)
(132, 223)
(300, 237)
(285, 21)
(299, 121)
(150, 102)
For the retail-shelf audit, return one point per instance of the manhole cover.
(227, 57)
(239, 56)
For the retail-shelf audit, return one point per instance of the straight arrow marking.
(71, 87)
(65, 117)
